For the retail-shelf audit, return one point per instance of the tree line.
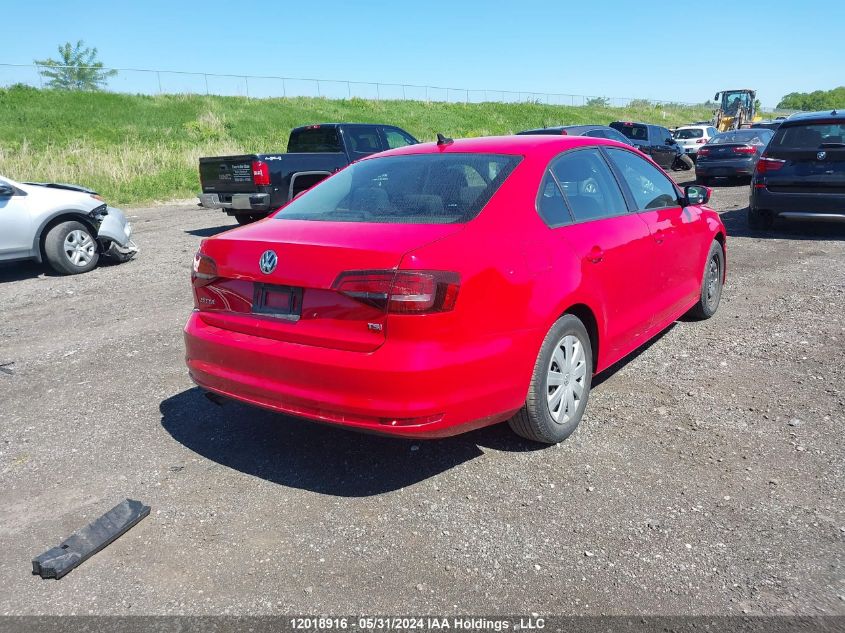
(816, 100)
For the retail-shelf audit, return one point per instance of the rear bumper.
(236, 202)
(799, 206)
(401, 389)
(725, 168)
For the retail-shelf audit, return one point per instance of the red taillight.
(745, 150)
(564, 132)
(204, 271)
(401, 292)
(765, 165)
(260, 173)
(704, 151)
(700, 141)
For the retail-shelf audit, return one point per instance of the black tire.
(683, 163)
(534, 420)
(56, 247)
(759, 220)
(247, 218)
(712, 282)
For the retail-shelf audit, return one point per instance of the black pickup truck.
(252, 185)
(657, 142)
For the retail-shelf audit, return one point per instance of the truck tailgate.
(221, 174)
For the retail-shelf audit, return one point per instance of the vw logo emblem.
(268, 262)
(821, 155)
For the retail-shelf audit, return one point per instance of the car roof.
(568, 128)
(828, 115)
(319, 125)
(543, 145)
(696, 126)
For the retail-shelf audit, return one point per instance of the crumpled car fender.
(115, 228)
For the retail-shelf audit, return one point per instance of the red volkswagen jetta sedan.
(438, 288)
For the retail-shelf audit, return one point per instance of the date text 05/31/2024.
(428, 623)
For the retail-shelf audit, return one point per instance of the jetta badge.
(268, 262)
(821, 155)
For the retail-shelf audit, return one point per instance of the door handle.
(596, 255)
(659, 236)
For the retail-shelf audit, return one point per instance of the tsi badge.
(268, 262)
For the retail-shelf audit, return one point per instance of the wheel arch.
(722, 239)
(55, 219)
(588, 317)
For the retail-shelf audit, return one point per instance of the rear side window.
(810, 137)
(588, 185)
(649, 186)
(363, 139)
(633, 131)
(314, 139)
(550, 203)
(409, 189)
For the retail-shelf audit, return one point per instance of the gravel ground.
(706, 478)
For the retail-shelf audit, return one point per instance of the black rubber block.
(84, 543)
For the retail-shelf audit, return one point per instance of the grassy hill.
(136, 148)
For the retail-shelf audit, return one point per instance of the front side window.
(649, 186)
(395, 139)
(409, 189)
(588, 185)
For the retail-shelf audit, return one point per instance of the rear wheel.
(70, 248)
(560, 384)
(247, 218)
(711, 283)
(759, 220)
(683, 163)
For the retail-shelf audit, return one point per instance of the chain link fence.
(152, 81)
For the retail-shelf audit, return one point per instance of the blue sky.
(676, 51)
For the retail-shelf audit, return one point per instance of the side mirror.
(669, 141)
(697, 194)
(6, 191)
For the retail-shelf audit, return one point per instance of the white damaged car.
(67, 226)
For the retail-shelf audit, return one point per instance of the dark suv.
(656, 141)
(801, 175)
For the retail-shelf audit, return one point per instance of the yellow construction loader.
(736, 109)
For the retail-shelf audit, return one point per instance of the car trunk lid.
(296, 301)
(807, 158)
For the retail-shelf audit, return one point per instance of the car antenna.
(444, 140)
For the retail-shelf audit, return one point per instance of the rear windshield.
(688, 133)
(410, 189)
(314, 139)
(815, 136)
(759, 136)
(633, 131)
